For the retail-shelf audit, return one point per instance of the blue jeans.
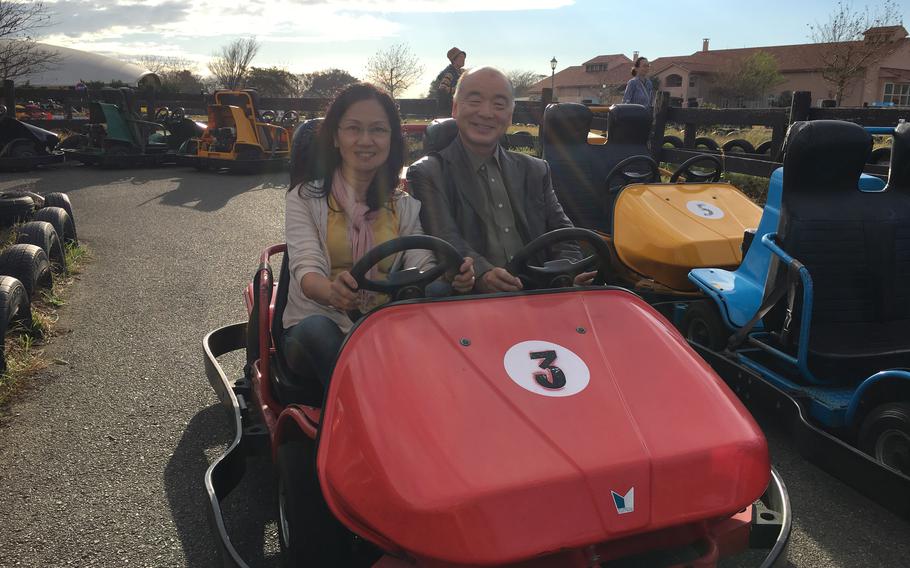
(310, 347)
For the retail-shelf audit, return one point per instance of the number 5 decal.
(554, 378)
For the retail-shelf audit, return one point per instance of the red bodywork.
(430, 449)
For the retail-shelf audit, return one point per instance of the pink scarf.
(360, 220)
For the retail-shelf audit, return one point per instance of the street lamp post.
(553, 76)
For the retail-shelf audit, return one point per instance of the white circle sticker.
(705, 210)
(546, 368)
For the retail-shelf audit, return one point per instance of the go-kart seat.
(303, 136)
(579, 170)
(442, 131)
(855, 245)
(289, 385)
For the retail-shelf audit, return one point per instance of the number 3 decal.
(554, 378)
(546, 368)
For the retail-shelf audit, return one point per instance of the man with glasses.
(486, 201)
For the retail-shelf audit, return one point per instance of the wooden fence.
(778, 120)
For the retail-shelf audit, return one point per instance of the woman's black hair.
(637, 65)
(323, 158)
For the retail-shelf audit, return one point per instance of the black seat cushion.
(855, 245)
(579, 170)
(442, 131)
(899, 174)
(290, 386)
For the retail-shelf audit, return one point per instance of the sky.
(310, 35)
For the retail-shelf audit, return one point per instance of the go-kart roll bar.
(264, 294)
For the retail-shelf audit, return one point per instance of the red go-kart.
(569, 427)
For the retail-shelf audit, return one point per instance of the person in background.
(639, 89)
(446, 81)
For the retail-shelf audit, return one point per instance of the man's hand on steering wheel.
(343, 292)
(498, 279)
(463, 282)
(585, 278)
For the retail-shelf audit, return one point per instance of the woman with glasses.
(347, 203)
(639, 89)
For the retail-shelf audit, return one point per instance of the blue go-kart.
(815, 323)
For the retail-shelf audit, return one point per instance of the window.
(691, 80)
(897, 93)
(674, 80)
(596, 68)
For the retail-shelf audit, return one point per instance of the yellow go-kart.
(658, 231)
(237, 137)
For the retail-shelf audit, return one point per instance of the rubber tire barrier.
(764, 148)
(880, 156)
(28, 264)
(61, 221)
(15, 208)
(61, 200)
(706, 142)
(673, 141)
(743, 146)
(42, 234)
(14, 306)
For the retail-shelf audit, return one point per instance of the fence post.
(150, 104)
(660, 124)
(9, 96)
(799, 108)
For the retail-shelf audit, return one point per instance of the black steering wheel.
(290, 118)
(685, 169)
(177, 113)
(268, 116)
(162, 114)
(621, 174)
(560, 273)
(409, 283)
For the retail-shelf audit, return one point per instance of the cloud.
(449, 6)
(74, 18)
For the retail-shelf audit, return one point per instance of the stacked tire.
(28, 266)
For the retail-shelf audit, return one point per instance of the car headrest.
(899, 175)
(824, 156)
(303, 138)
(628, 124)
(566, 123)
(440, 133)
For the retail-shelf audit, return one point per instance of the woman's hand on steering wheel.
(463, 282)
(343, 292)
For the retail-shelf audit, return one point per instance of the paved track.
(101, 461)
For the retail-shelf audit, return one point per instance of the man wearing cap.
(446, 81)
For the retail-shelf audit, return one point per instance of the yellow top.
(341, 256)
(663, 230)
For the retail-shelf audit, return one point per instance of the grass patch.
(24, 344)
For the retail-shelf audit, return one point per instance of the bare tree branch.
(522, 80)
(231, 66)
(849, 48)
(19, 54)
(394, 69)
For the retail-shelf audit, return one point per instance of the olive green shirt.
(503, 240)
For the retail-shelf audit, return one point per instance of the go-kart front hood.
(490, 430)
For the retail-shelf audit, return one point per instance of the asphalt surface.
(102, 457)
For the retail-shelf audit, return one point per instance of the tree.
(326, 83)
(273, 81)
(231, 66)
(522, 80)
(853, 42)
(183, 81)
(20, 55)
(749, 78)
(394, 69)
